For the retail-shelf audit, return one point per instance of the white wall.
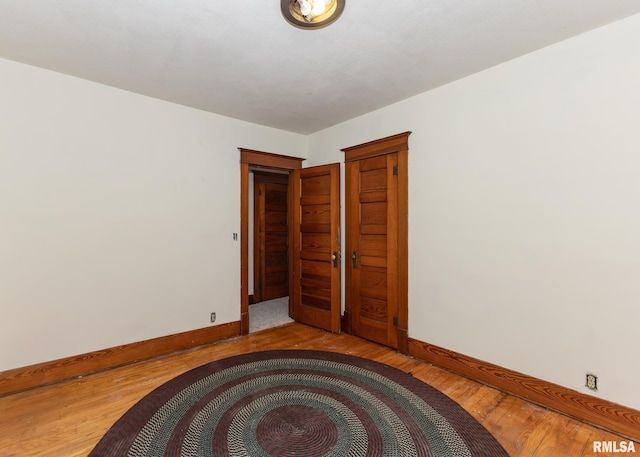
(524, 213)
(117, 212)
(116, 215)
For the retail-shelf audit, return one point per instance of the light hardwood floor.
(68, 419)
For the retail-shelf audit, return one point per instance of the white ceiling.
(243, 60)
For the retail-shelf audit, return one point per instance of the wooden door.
(376, 263)
(271, 258)
(315, 247)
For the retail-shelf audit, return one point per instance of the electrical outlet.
(591, 382)
(213, 317)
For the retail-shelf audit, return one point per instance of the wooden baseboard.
(601, 413)
(19, 379)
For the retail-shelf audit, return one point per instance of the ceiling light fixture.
(311, 14)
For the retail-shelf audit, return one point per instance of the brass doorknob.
(334, 258)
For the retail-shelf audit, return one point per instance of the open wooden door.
(315, 246)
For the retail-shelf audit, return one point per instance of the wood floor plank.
(559, 432)
(68, 419)
(482, 403)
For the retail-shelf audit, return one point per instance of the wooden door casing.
(376, 275)
(315, 246)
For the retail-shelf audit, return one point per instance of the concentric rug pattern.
(297, 403)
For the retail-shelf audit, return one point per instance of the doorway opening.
(313, 234)
(269, 268)
(252, 161)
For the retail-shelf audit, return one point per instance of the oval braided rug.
(297, 403)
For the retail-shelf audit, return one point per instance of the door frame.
(258, 159)
(392, 144)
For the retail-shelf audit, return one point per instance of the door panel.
(372, 243)
(271, 237)
(315, 276)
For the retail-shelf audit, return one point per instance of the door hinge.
(395, 170)
(395, 321)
